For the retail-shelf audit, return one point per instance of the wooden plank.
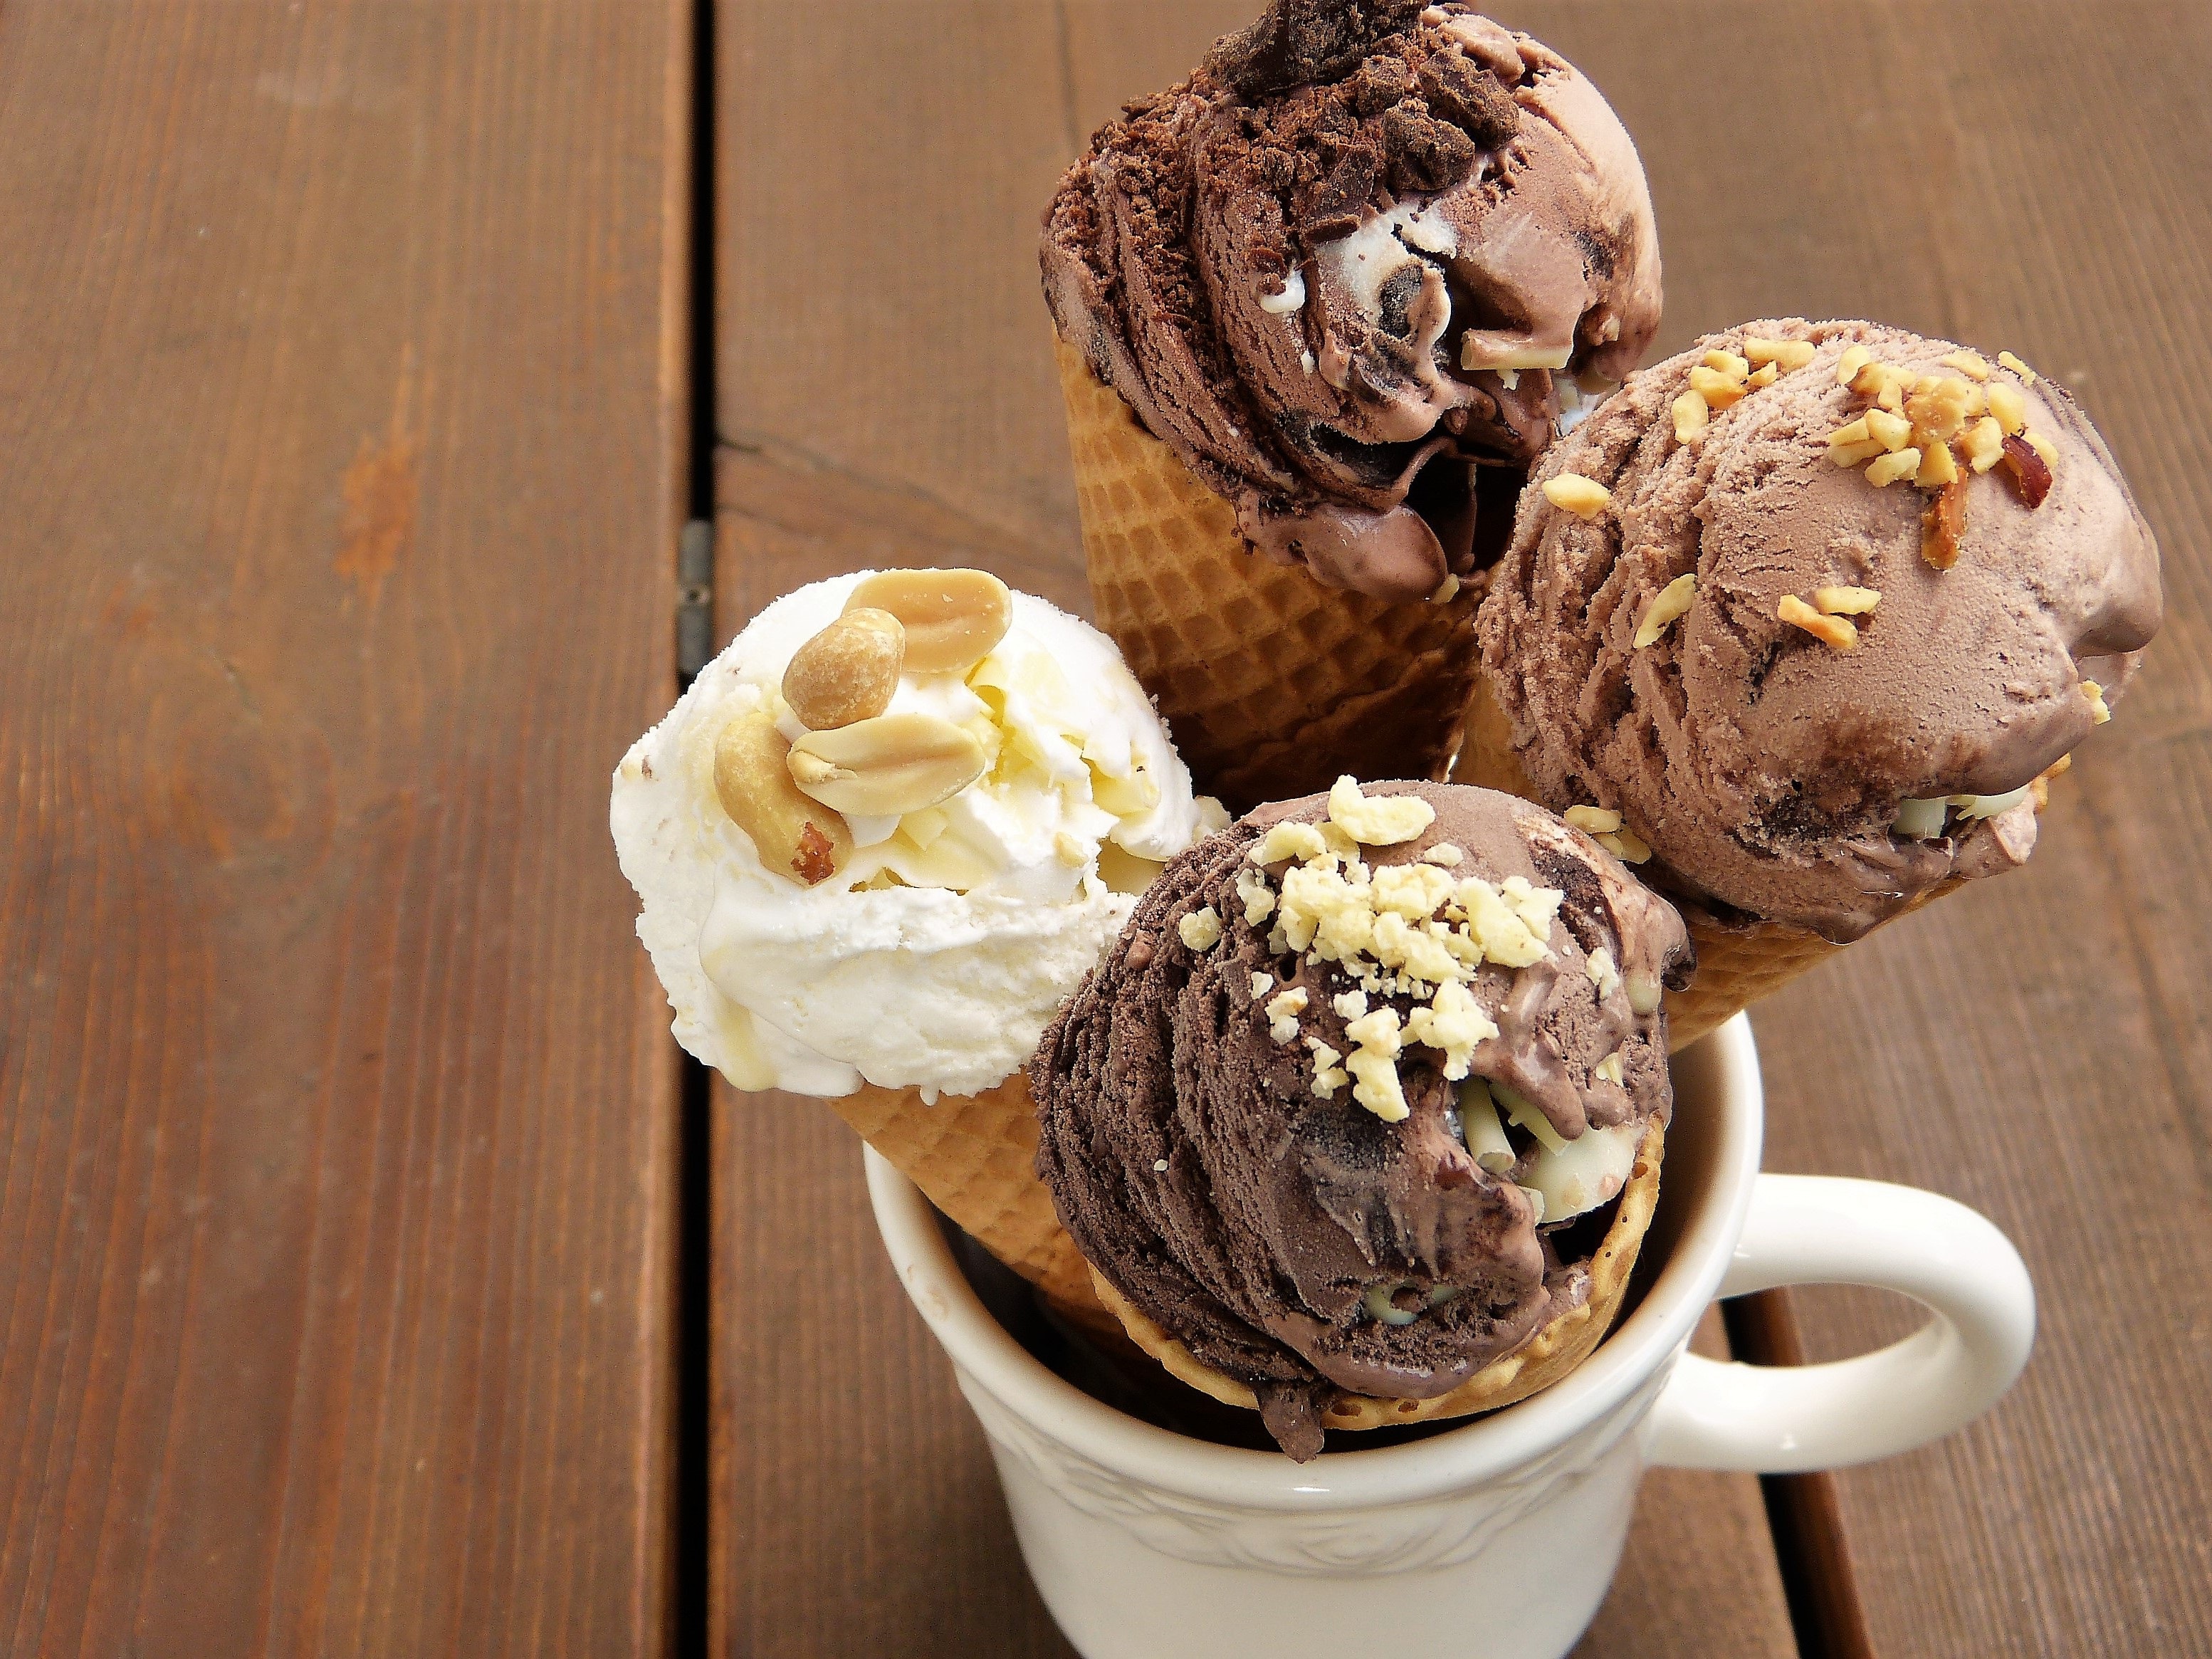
(888, 396)
(341, 380)
(855, 1508)
(2022, 177)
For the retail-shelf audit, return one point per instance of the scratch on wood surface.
(380, 487)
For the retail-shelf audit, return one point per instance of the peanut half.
(952, 618)
(794, 837)
(892, 765)
(847, 672)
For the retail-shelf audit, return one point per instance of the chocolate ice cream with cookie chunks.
(1812, 611)
(1344, 1107)
(1353, 269)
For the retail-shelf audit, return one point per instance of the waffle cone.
(975, 1157)
(1273, 685)
(1554, 1351)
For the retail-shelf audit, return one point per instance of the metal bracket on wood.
(695, 598)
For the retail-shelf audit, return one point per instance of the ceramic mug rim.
(1724, 1075)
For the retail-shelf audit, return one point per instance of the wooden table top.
(370, 1280)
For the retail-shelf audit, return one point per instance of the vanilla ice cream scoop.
(887, 831)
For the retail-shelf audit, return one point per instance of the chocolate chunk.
(1292, 1412)
(1425, 154)
(1399, 291)
(1602, 252)
(1467, 95)
(1298, 42)
(1344, 194)
(1381, 83)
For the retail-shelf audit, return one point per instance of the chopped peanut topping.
(1377, 820)
(1886, 470)
(1969, 362)
(1718, 390)
(1850, 455)
(2095, 694)
(2009, 404)
(1854, 359)
(1944, 526)
(1893, 432)
(1846, 601)
(2043, 447)
(1886, 384)
(1937, 467)
(1983, 444)
(1288, 841)
(1200, 929)
(1692, 416)
(1447, 589)
(1728, 363)
(1376, 1041)
(1583, 497)
(1853, 432)
(1787, 354)
(1627, 845)
(2026, 374)
(1668, 602)
(1939, 411)
(1593, 820)
(1765, 376)
(1830, 631)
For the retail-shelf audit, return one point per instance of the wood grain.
(340, 388)
(891, 398)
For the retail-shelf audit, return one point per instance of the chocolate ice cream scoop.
(1812, 608)
(1344, 1107)
(1365, 249)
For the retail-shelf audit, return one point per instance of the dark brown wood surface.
(890, 398)
(340, 449)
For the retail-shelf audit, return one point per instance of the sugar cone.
(1273, 685)
(975, 1157)
(1736, 966)
(1554, 1351)
(1488, 758)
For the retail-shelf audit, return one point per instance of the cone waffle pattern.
(1273, 685)
(1548, 1356)
(975, 1157)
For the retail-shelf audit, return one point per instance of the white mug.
(1500, 1536)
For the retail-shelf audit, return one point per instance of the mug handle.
(1817, 1229)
